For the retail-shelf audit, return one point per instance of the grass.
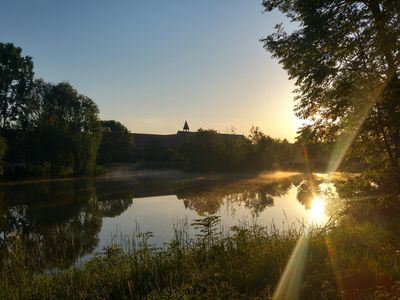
(356, 259)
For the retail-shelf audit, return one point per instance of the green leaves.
(342, 57)
(16, 79)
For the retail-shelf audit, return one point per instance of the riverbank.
(355, 256)
(120, 171)
(353, 260)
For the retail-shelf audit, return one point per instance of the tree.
(236, 151)
(3, 149)
(65, 134)
(74, 119)
(54, 128)
(49, 128)
(87, 132)
(345, 59)
(16, 78)
(264, 151)
(116, 144)
(204, 150)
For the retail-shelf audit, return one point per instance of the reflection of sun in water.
(317, 209)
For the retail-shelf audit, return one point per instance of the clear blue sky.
(154, 64)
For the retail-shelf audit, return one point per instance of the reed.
(353, 259)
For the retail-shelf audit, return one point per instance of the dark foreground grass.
(355, 260)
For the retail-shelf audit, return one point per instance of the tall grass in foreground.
(354, 260)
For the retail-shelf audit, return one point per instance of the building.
(142, 140)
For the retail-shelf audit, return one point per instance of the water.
(75, 218)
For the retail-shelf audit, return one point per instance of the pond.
(73, 219)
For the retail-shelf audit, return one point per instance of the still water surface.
(75, 218)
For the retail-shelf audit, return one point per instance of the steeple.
(186, 126)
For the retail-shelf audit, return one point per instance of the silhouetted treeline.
(207, 150)
(49, 129)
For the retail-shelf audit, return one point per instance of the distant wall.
(141, 140)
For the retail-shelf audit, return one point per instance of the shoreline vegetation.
(121, 170)
(348, 259)
(355, 255)
(128, 170)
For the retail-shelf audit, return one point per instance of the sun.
(317, 208)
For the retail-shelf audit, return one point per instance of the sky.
(154, 64)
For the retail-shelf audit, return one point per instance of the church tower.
(186, 126)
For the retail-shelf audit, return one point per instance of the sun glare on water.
(317, 209)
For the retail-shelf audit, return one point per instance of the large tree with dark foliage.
(16, 79)
(68, 130)
(50, 129)
(116, 144)
(345, 58)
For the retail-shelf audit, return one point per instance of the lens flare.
(289, 284)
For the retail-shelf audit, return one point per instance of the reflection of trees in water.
(113, 208)
(255, 196)
(255, 201)
(305, 194)
(306, 191)
(65, 240)
(205, 204)
(114, 197)
(58, 222)
(264, 197)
